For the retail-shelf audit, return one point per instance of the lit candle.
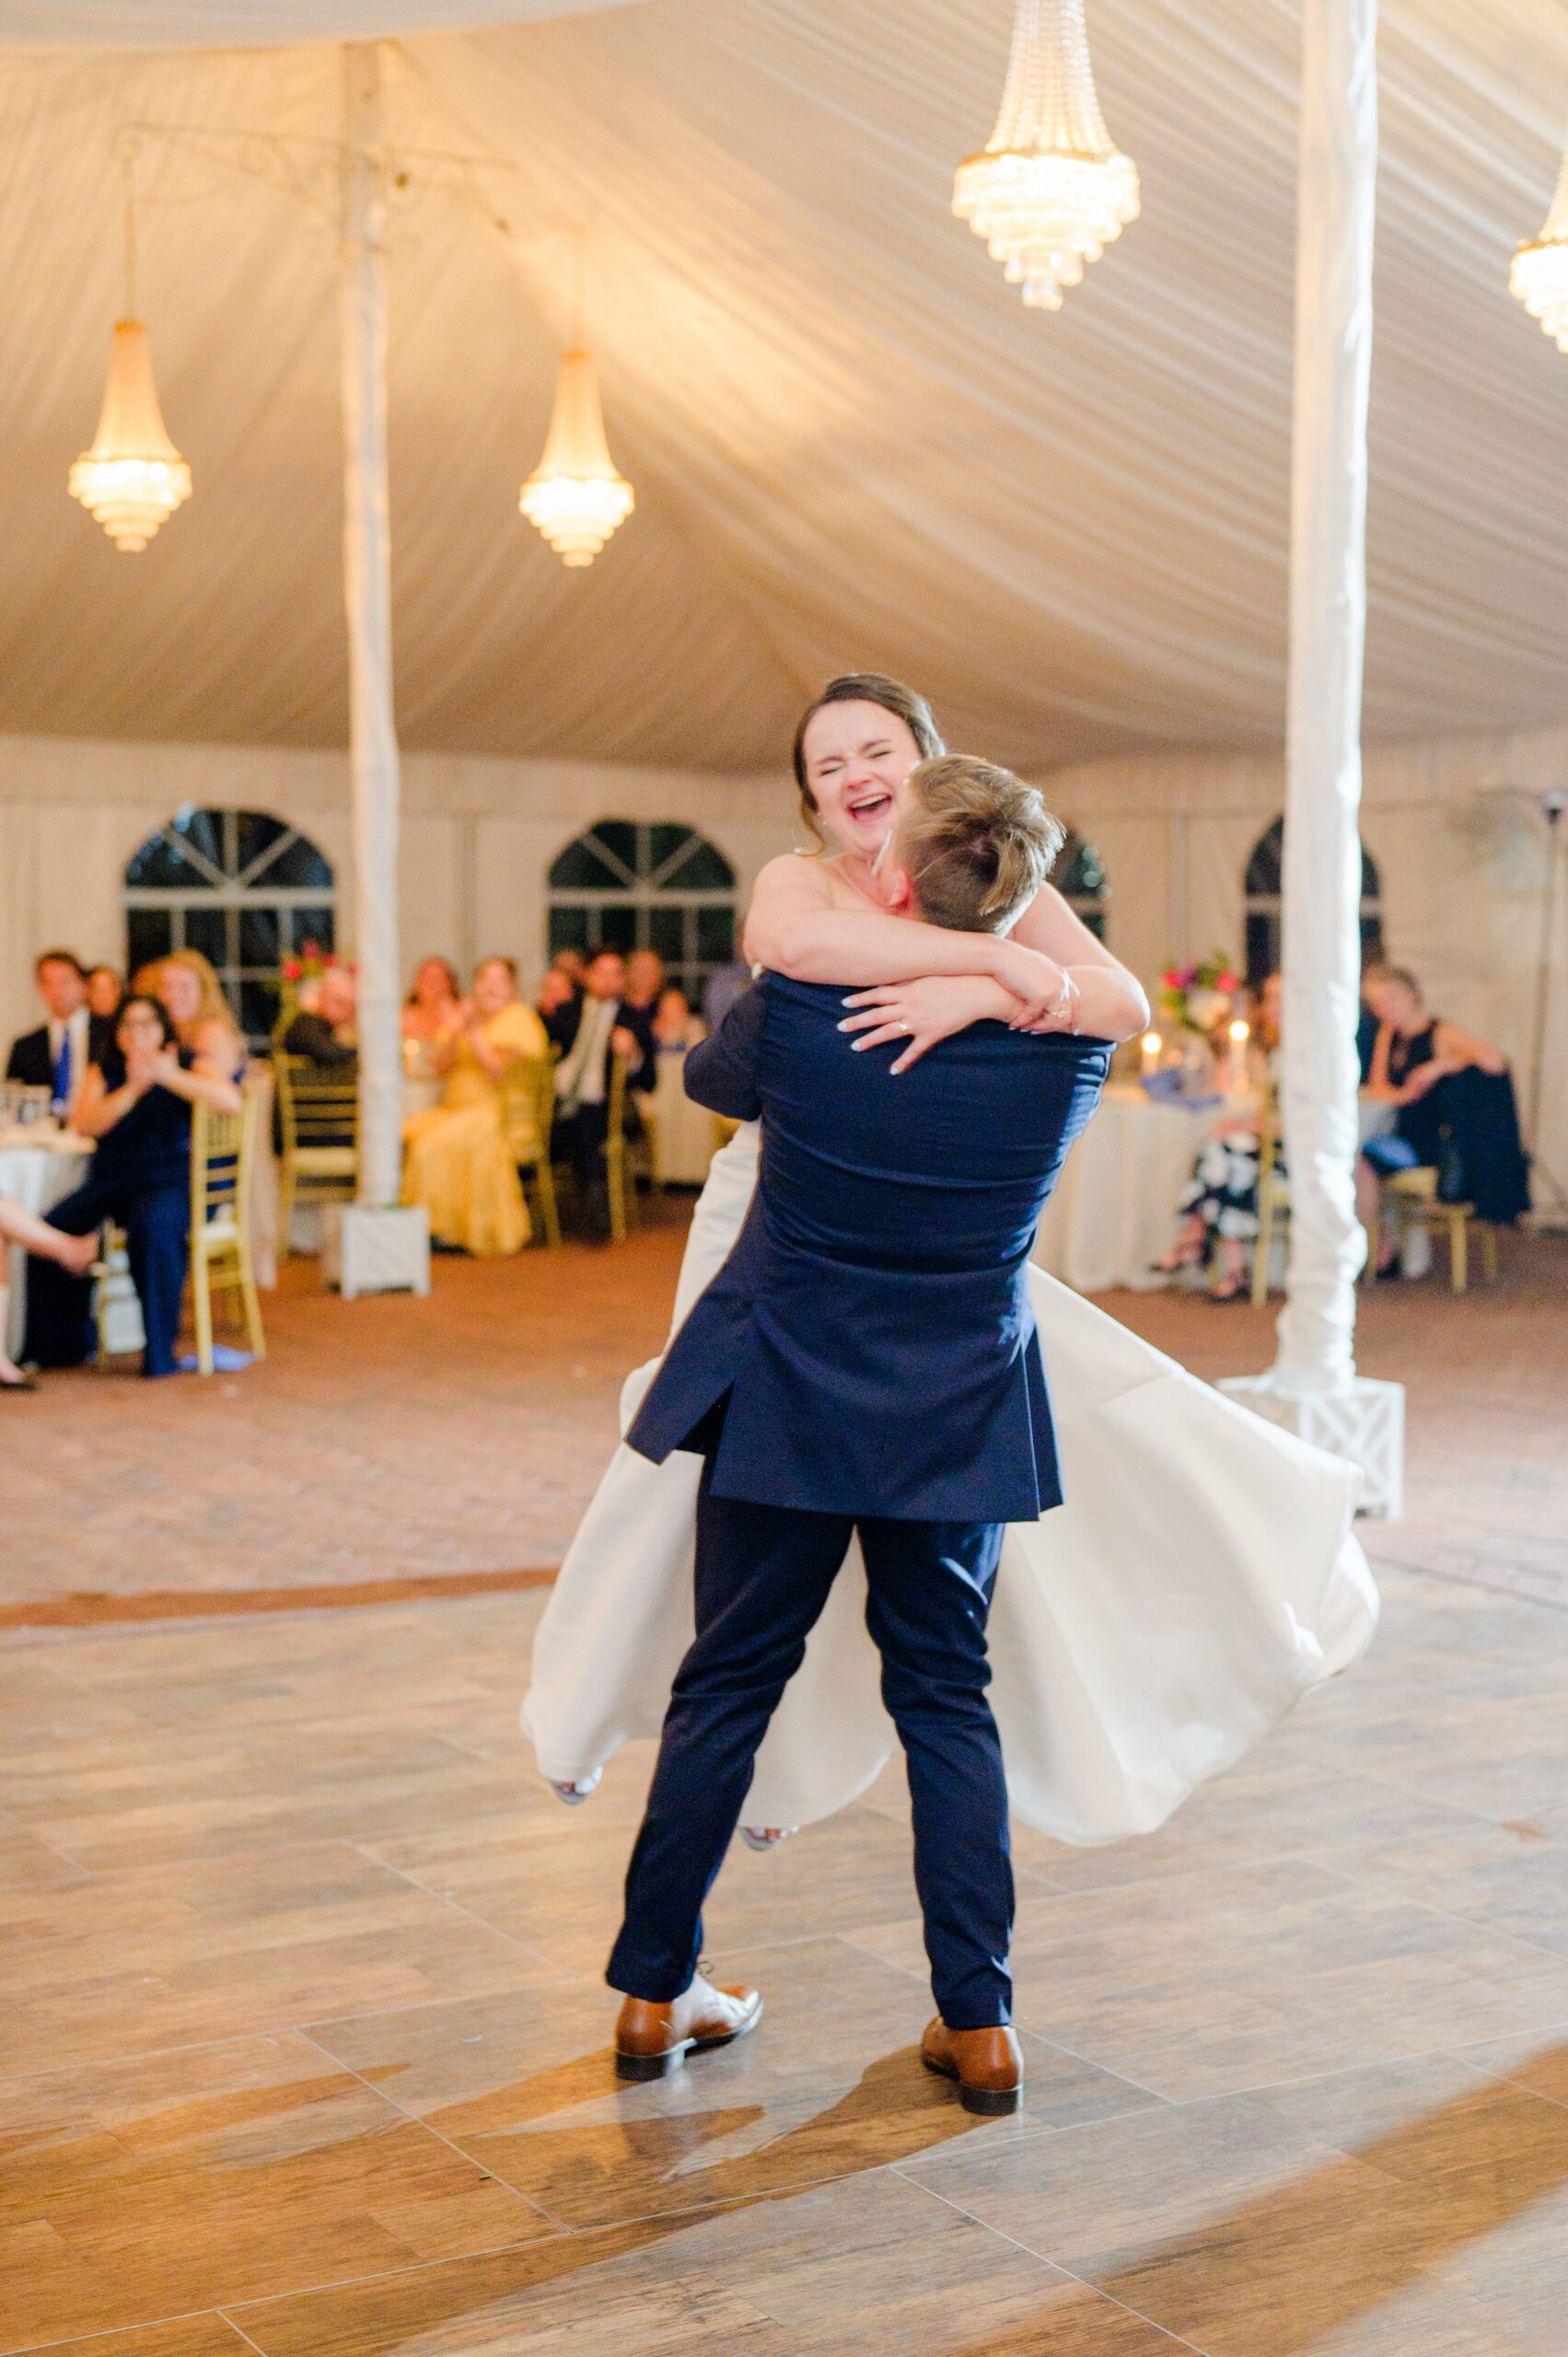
(1235, 1061)
(1151, 1053)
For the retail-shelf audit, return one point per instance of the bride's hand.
(919, 1013)
(1046, 994)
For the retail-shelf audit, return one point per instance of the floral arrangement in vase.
(1197, 996)
(309, 965)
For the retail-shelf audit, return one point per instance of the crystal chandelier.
(1048, 192)
(133, 479)
(575, 495)
(1538, 274)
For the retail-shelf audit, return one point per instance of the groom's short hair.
(978, 843)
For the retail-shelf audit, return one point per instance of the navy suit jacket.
(872, 1324)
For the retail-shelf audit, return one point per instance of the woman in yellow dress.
(462, 1165)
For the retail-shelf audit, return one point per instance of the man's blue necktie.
(62, 1070)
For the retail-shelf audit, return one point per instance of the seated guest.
(651, 996)
(57, 1054)
(589, 1032)
(106, 996)
(561, 984)
(1220, 1201)
(138, 1105)
(1366, 1030)
(325, 1035)
(191, 997)
(77, 1253)
(432, 1010)
(1455, 1111)
(462, 1160)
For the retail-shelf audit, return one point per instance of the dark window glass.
(207, 930)
(1079, 871)
(1263, 944)
(716, 936)
(580, 869)
(203, 829)
(1266, 867)
(618, 927)
(312, 924)
(665, 839)
(619, 837)
(298, 868)
(161, 865)
(259, 940)
(1371, 881)
(666, 933)
(704, 869)
(149, 933)
(568, 929)
(254, 833)
(1371, 940)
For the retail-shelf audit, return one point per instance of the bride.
(1201, 1574)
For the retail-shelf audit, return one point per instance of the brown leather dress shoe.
(987, 2063)
(653, 2040)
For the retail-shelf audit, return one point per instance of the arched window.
(1079, 877)
(1265, 879)
(636, 884)
(243, 887)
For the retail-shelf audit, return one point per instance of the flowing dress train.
(1200, 1577)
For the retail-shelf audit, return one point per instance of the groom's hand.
(919, 1014)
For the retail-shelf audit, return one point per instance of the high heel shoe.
(576, 1793)
(765, 1837)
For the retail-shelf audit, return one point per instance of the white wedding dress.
(1200, 1578)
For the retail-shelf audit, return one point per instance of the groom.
(866, 1360)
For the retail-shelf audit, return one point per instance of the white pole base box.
(374, 1251)
(1365, 1423)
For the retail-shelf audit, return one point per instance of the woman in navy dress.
(1454, 1107)
(137, 1106)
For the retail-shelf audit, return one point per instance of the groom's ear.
(898, 890)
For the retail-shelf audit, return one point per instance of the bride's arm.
(794, 928)
(1111, 1002)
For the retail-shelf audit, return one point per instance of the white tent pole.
(367, 594)
(1338, 170)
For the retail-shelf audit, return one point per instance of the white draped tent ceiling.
(851, 443)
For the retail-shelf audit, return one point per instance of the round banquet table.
(1114, 1209)
(38, 1170)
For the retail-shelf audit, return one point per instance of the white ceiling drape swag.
(253, 24)
(849, 440)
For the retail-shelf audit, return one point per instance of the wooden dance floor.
(302, 2048)
(306, 2052)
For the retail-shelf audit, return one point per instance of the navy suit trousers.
(763, 1574)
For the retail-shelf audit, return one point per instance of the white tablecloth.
(38, 1173)
(1114, 1209)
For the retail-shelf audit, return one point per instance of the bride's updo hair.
(978, 845)
(864, 687)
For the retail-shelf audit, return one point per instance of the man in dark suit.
(57, 1054)
(590, 1027)
(865, 1360)
(325, 1034)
